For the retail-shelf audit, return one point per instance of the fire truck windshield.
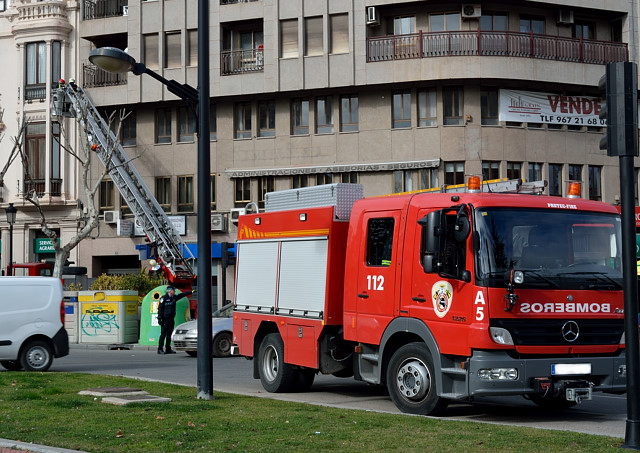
(554, 249)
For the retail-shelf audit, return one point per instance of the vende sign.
(532, 107)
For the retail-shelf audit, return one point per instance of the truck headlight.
(498, 374)
(500, 335)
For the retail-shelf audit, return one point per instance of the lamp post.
(11, 219)
(117, 61)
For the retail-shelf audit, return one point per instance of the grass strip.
(45, 408)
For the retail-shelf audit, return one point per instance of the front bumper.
(185, 342)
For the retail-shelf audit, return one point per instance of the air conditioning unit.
(125, 10)
(372, 16)
(565, 17)
(471, 11)
(237, 212)
(219, 222)
(111, 216)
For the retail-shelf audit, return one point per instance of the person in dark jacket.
(166, 317)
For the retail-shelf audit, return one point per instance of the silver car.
(185, 336)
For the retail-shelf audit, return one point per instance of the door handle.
(419, 299)
(363, 296)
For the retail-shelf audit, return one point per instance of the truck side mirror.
(431, 228)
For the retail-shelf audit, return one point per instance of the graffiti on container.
(99, 320)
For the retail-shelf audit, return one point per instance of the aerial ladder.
(167, 246)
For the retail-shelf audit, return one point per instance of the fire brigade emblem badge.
(442, 297)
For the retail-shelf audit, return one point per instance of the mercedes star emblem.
(570, 331)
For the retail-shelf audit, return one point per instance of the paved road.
(606, 414)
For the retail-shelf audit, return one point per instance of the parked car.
(185, 335)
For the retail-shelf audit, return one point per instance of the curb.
(113, 346)
(15, 446)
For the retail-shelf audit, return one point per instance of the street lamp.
(117, 61)
(11, 219)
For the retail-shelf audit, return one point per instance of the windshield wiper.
(539, 277)
(602, 276)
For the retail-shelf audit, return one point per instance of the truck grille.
(549, 332)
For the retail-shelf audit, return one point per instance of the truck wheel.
(222, 345)
(411, 381)
(11, 365)
(36, 356)
(305, 379)
(275, 375)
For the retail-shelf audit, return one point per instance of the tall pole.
(205, 360)
(11, 248)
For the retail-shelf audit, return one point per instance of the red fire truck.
(439, 296)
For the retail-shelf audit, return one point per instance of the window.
(453, 173)
(212, 185)
(213, 134)
(267, 120)
(350, 177)
(3, 5)
(555, 179)
(106, 196)
(266, 184)
(595, 183)
(36, 146)
(339, 24)
(243, 120)
(575, 173)
(172, 54)
(36, 63)
(324, 178)
(514, 170)
(585, 30)
(489, 106)
(324, 115)
(299, 181)
(444, 22)
(490, 170)
(186, 124)
(313, 36)
(427, 107)
(151, 54)
(401, 109)
(192, 48)
(56, 64)
(128, 130)
(185, 193)
(493, 22)
(124, 206)
(452, 105)
(529, 24)
(402, 181)
(428, 178)
(299, 116)
(243, 192)
(535, 172)
(55, 159)
(404, 25)
(289, 38)
(379, 241)
(349, 113)
(163, 126)
(163, 192)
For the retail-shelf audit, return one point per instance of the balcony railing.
(39, 186)
(494, 43)
(239, 61)
(94, 77)
(98, 9)
(32, 92)
(233, 2)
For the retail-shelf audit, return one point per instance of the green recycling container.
(149, 328)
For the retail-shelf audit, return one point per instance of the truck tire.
(36, 356)
(411, 381)
(275, 375)
(11, 365)
(222, 345)
(305, 379)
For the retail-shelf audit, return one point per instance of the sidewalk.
(11, 446)
(113, 346)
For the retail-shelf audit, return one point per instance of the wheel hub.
(413, 380)
(37, 358)
(270, 363)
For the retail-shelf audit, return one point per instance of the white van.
(31, 323)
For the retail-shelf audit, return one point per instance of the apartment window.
(339, 24)
(349, 113)
(185, 193)
(595, 183)
(36, 146)
(489, 106)
(444, 22)
(555, 179)
(55, 158)
(514, 170)
(192, 47)
(299, 116)
(163, 126)
(428, 178)
(324, 178)
(453, 173)
(3, 5)
(212, 186)
(493, 22)
(128, 130)
(531, 24)
(324, 115)
(106, 202)
(56, 64)
(266, 184)
(452, 105)
(243, 120)
(213, 123)
(186, 124)
(267, 120)
(401, 109)
(585, 30)
(163, 192)
(172, 54)
(243, 191)
(575, 172)
(36, 71)
(124, 206)
(150, 51)
(289, 38)
(299, 181)
(313, 36)
(404, 25)
(490, 170)
(350, 177)
(535, 171)
(402, 181)
(427, 107)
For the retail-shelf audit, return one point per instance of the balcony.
(93, 77)
(39, 186)
(233, 2)
(494, 43)
(33, 92)
(241, 61)
(99, 9)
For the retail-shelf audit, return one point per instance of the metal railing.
(233, 2)
(32, 92)
(94, 77)
(494, 43)
(97, 9)
(39, 186)
(239, 61)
